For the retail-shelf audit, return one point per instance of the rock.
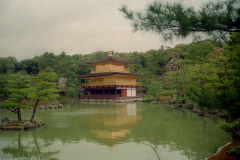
(213, 112)
(195, 111)
(60, 106)
(40, 123)
(62, 84)
(67, 106)
(172, 65)
(9, 127)
(154, 102)
(29, 125)
(189, 106)
(171, 102)
(200, 113)
(41, 107)
(5, 119)
(177, 106)
(207, 115)
(222, 115)
(139, 100)
(237, 120)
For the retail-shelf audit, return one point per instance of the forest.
(206, 73)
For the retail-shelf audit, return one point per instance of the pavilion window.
(112, 91)
(119, 91)
(106, 91)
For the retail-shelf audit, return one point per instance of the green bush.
(148, 98)
(231, 127)
(234, 151)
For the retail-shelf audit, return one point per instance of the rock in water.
(154, 102)
(177, 106)
(60, 106)
(40, 123)
(29, 125)
(67, 106)
(5, 119)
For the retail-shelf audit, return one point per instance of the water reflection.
(28, 146)
(114, 123)
(106, 131)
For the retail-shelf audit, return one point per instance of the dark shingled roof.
(109, 58)
(107, 74)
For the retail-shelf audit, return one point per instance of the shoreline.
(221, 153)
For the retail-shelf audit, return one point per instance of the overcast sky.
(32, 27)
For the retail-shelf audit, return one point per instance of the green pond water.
(114, 132)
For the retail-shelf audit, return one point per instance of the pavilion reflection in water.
(115, 123)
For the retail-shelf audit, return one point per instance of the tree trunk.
(19, 114)
(185, 79)
(35, 141)
(34, 111)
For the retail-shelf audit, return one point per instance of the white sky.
(32, 27)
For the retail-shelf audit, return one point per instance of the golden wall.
(109, 68)
(126, 81)
(96, 82)
(109, 81)
(112, 80)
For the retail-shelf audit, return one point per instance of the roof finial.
(110, 53)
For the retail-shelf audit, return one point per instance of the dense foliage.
(202, 72)
(205, 73)
(216, 19)
(25, 90)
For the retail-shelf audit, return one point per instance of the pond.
(124, 131)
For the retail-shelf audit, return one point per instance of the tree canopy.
(175, 20)
(30, 89)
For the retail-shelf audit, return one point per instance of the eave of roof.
(109, 58)
(107, 74)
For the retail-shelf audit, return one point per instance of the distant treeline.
(205, 72)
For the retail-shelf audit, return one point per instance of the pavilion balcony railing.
(84, 84)
(126, 70)
(100, 96)
(93, 70)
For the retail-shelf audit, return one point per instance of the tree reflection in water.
(29, 148)
(107, 130)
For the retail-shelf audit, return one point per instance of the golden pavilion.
(110, 79)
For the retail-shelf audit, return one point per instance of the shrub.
(148, 98)
(231, 127)
(234, 151)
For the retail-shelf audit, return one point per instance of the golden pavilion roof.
(107, 74)
(108, 59)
